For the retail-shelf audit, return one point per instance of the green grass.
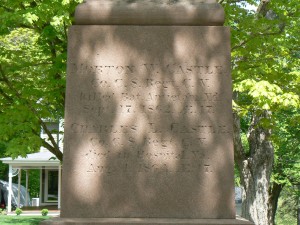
(22, 220)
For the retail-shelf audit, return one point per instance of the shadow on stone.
(148, 122)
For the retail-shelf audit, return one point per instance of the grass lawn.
(22, 220)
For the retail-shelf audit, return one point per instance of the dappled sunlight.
(147, 119)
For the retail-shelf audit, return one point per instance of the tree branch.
(231, 1)
(54, 148)
(59, 155)
(7, 9)
(262, 9)
(7, 97)
(255, 35)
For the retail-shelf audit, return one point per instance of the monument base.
(143, 221)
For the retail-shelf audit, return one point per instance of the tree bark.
(255, 168)
(262, 8)
(273, 202)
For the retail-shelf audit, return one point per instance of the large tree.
(32, 71)
(265, 63)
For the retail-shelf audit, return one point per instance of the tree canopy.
(32, 71)
(266, 75)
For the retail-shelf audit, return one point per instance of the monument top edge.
(154, 1)
(150, 12)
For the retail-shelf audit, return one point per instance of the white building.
(50, 171)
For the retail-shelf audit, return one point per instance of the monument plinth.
(148, 120)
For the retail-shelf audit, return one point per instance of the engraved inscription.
(151, 91)
(147, 68)
(153, 128)
(125, 96)
(142, 83)
(149, 168)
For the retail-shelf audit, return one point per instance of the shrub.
(18, 211)
(3, 212)
(45, 212)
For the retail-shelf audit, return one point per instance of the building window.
(50, 186)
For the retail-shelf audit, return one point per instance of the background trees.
(265, 62)
(32, 71)
(265, 71)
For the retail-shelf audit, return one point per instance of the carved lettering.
(149, 90)
(95, 168)
(95, 128)
(207, 169)
(150, 68)
(153, 128)
(95, 96)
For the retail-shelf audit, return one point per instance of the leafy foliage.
(18, 211)
(288, 205)
(286, 139)
(32, 71)
(3, 167)
(266, 79)
(33, 183)
(44, 212)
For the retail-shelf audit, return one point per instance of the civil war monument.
(148, 115)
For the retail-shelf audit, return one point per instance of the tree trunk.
(273, 202)
(298, 216)
(255, 168)
(298, 210)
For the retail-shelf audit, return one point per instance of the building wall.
(57, 132)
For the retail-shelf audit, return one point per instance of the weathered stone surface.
(143, 221)
(145, 12)
(148, 123)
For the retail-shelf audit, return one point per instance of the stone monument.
(148, 121)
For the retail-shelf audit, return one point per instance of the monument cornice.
(142, 12)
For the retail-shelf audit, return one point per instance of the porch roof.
(38, 159)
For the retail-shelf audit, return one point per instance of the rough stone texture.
(148, 126)
(136, 221)
(145, 12)
(148, 122)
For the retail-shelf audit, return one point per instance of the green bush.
(45, 212)
(18, 211)
(3, 212)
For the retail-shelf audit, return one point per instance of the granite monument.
(148, 119)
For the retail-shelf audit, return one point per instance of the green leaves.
(286, 139)
(30, 18)
(33, 44)
(18, 130)
(265, 71)
(266, 96)
(265, 57)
